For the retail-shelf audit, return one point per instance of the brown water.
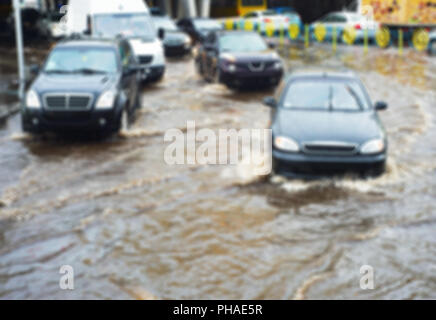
(134, 227)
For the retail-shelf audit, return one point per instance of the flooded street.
(134, 227)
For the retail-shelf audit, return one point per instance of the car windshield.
(330, 95)
(131, 25)
(164, 23)
(270, 13)
(82, 60)
(204, 24)
(244, 42)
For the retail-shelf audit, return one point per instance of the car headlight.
(286, 144)
(373, 146)
(106, 100)
(231, 67)
(188, 41)
(228, 57)
(32, 100)
(278, 65)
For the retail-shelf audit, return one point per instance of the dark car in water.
(432, 43)
(238, 59)
(85, 85)
(199, 28)
(325, 122)
(175, 41)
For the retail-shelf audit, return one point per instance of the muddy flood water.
(133, 227)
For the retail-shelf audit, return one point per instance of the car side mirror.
(161, 33)
(270, 102)
(34, 69)
(271, 45)
(380, 106)
(209, 47)
(131, 69)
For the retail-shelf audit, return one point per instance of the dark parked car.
(85, 85)
(199, 28)
(176, 42)
(432, 43)
(326, 123)
(156, 12)
(238, 58)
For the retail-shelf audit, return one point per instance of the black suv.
(237, 59)
(84, 85)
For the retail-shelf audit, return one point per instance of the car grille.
(145, 59)
(256, 66)
(330, 148)
(68, 101)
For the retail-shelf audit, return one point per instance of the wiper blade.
(89, 71)
(57, 71)
(356, 97)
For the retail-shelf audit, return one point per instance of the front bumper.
(299, 164)
(38, 120)
(177, 50)
(239, 78)
(153, 72)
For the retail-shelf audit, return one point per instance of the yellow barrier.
(320, 32)
(400, 41)
(306, 36)
(248, 26)
(335, 39)
(294, 31)
(228, 24)
(365, 40)
(269, 29)
(383, 37)
(420, 39)
(349, 35)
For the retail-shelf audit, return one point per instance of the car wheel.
(432, 48)
(26, 128)
(217, 76)
(125, 120)
(138, 100)
(377, 170)
(199, 67)
(275, 167)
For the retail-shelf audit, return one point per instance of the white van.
(112, 18)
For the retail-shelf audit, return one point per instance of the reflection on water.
(133, 227)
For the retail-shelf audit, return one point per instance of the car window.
(242, 42)
(205, 24)
(335, 18)
(269, 13)
(68, 60)
(340, 95)
(251, 15)
(164, 23)
(126, 24)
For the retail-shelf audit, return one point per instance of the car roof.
(346, 13)
(323, 74)
(236, 32)
(108, 43)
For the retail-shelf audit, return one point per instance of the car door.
(210, 55)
